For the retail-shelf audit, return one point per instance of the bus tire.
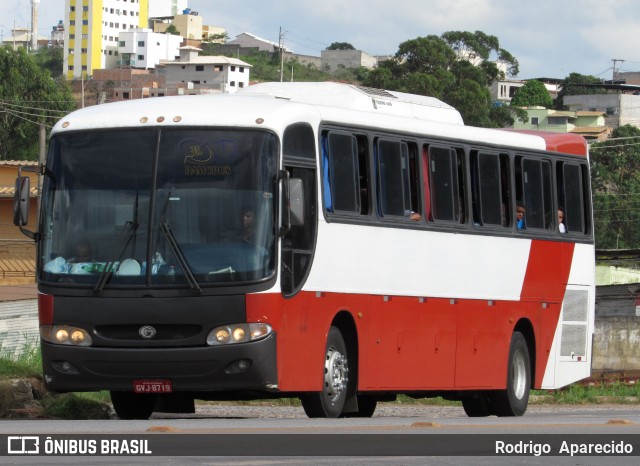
(129, 405)
(477, 405)
(329, 402)
(514, 400)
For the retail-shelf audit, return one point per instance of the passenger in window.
(248, 226)
(415, 216)
(561, 226)
(520, 217)
(81, 252)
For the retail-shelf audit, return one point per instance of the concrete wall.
(18, 326)
(616, 344)
(333, 59)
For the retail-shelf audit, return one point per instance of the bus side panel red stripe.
(546, 281)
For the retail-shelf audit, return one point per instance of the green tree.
(615, 175)
(172, 29)
(341, 46)
(456, 67)
(532, 94)
(50, 58)
(578, 84)
(29, 97)
(220, 38)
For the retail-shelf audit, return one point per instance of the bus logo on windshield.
(147, 332)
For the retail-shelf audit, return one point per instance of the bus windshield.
(159, 207)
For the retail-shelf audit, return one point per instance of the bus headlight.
(238, 333)
(65, 335)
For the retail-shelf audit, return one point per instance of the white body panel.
(386, 261)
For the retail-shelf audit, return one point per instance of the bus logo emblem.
(147, 332)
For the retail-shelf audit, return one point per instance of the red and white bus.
(325, 241)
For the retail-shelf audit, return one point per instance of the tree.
(456, 68)
(219, 38)
(578, 84)
(172, 29)
(29, 97)
(50, 58)
(341, 46)
(615, 175)
(532, 94)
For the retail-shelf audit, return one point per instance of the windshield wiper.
(193, 283)
(120, 247)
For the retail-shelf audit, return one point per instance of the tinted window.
(393, 174)
(574, 201)
(342, 177)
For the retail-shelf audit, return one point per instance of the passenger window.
(490, 182)
(533, 194)
(341, 173)
(398, 193)
(446, 183)
(571, 198)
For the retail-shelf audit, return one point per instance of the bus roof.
(566, 143)
(276, 105)
(348, 96)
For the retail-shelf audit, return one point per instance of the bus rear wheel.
(129, 405)
(330, 401)
(514, 400)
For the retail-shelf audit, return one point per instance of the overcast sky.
(550, 38)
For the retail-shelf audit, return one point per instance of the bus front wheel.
(514, 400)
(335, 381)
(129, 405)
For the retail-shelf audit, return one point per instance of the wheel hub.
(335, 374)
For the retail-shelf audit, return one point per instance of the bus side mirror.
(296, 202)
(21, 201)
(293, 204)
(21, 205)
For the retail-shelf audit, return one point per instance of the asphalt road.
(397, 434)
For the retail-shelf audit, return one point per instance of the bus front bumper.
(248, 366)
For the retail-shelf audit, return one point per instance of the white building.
(204, 74)
(621, 109)
(144, 49)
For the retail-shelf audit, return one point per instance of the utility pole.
(615, 71)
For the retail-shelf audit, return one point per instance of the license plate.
(152, 386)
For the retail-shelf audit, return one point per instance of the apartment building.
(93, 27)
(193, 74)
(144, 49)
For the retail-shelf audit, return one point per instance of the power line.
(41, 109)
(14, 111)
(26, 119)
(612, 147)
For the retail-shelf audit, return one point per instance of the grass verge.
(26, 364)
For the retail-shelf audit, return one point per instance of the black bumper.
(194, 369)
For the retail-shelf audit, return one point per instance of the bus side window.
(446, 181)
(398, 180)
(490, 189)
(573, 197)
(534, 189)
(341, 176)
